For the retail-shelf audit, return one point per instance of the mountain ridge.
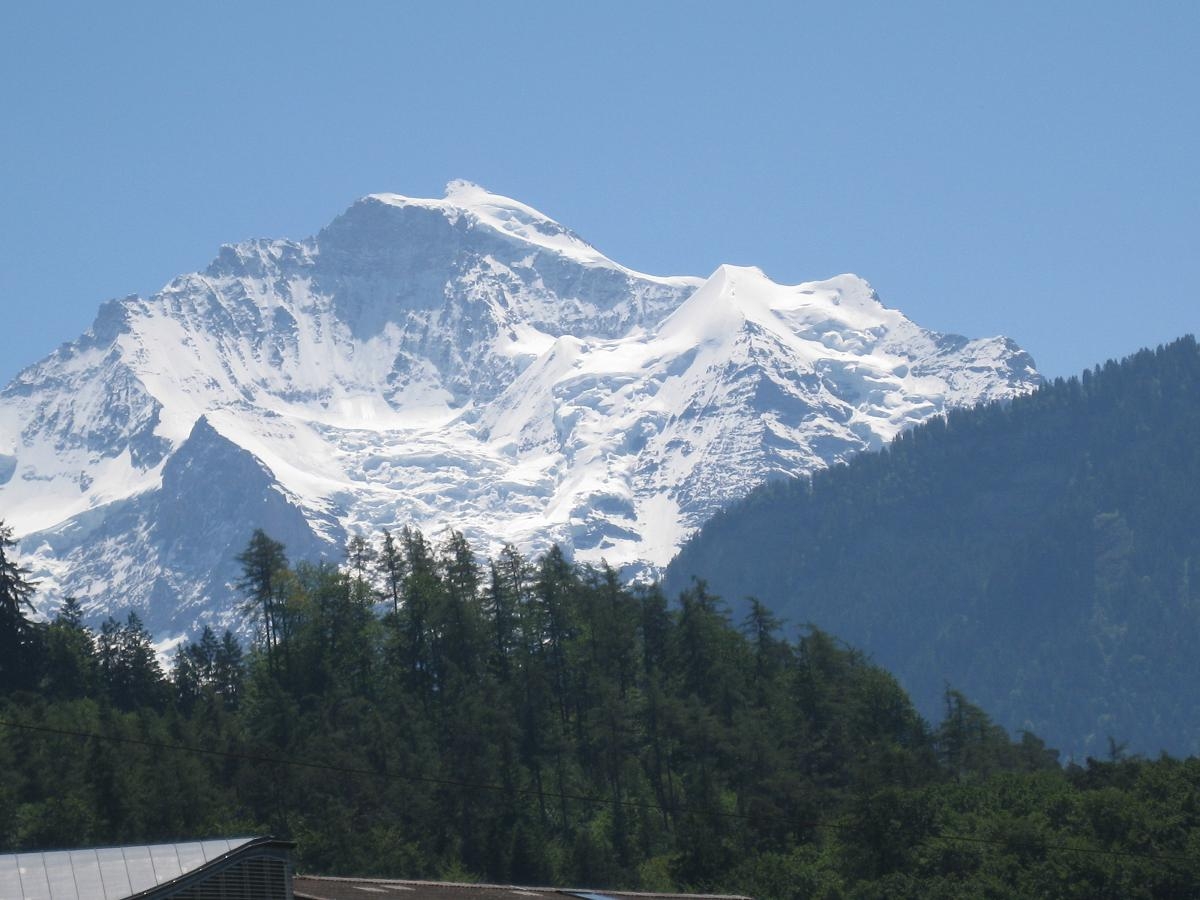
(463, 362)
(1036, 555)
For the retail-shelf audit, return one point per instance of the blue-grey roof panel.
(61, 876)
(9, 879)
(139, 868)
(31, 878)
(166, 863)
(113, 873)
(85, 868)
(213, 849)
(191, 856)
(107, 873)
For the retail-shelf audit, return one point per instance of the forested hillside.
(1040, 555)
(415, 713)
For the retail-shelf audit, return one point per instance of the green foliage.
(19, 636)
(129, 671)
(1041, 555)
(264, 585)
(70, 667)
(537, 722)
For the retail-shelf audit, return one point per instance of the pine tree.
(392, 569)
(507, 589)
(129, 666)
(18, 634)
(230, 670)
(264, 563)
(185, 679)
(70, 668)
(361, 561)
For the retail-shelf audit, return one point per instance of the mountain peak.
(464, 361)
(505, 216)
(466, 193)
(459, 194)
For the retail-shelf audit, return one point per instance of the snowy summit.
(465, 362)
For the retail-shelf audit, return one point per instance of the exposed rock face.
(462, 362)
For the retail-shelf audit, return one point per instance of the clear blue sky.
(1028, 169)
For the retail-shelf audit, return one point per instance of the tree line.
(1041, 554)
(419, 711)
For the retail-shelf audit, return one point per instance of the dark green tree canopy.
(18, 633)
(538, 722)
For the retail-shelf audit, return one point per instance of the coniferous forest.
(1039, 555)
(416, 712)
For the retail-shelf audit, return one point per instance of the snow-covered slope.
(464, 362)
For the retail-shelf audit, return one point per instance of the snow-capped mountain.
(464, 362)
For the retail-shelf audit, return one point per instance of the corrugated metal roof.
(104, 873)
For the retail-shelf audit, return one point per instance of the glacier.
(464, 362)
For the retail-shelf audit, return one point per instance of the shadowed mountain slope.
(1040, 555)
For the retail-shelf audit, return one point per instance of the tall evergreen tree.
(129, 666)
(18, 633)
(361, 563)
(264, 564)
(70, 670)
(229, 670)
(392, 570)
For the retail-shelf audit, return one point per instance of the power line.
(555, 795)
